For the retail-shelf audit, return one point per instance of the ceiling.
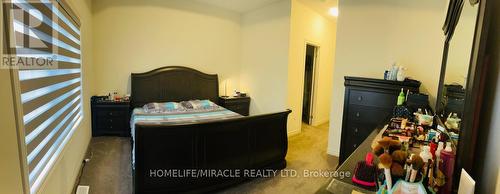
(321, 6)
(240, 6)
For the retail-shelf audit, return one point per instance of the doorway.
(309, 76)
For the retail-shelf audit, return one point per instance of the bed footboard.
(206, 156)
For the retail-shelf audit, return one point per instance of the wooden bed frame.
(242, 144)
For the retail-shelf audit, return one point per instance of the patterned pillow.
(156, 107)
(199, 104)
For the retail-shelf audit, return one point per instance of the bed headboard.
(173, 84)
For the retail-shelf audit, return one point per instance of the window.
(44, 40)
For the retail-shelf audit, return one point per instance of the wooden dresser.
(367, 103)
(110, 118)
(240, 105)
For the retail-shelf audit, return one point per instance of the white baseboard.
(321, 122)
(332, 152)
(294, 132)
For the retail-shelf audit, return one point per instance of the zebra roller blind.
(46, 39)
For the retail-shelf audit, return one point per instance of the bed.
(173, 157)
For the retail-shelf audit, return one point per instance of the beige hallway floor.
(109, 171)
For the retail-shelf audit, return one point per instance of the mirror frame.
(473, 92)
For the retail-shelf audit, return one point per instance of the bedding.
(181, 116)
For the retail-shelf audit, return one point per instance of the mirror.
(460, 44)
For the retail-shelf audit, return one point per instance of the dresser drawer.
(237, 101)
(365, 114)
(111, 123)
(241, 109)
(240, 105)
(373, 99)
(110, 118)
(236, 106)
(116, 112)
(359, 131)
(354, 134)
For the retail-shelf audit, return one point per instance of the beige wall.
(264, 56)
(461, 46)
(11, 180)
(153, 34)
(307, 26)
(372, 35)
(62, 177)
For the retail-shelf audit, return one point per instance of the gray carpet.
(109, 171)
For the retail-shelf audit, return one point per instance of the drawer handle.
(360, 98)
(357, 114)
(110, 120)
(111, 113)
(355, 130)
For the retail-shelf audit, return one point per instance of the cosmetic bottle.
(401, 98)
(394, 72)
(401, 74)
(426, 156)
(448, 158)
(438, 155)
(433, 147)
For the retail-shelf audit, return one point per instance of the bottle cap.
(426, 154)
(448, 147)
(440, 145)
(426, 148)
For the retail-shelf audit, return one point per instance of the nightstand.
(110, 117)
(240, 105)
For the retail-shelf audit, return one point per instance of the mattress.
(139, 116)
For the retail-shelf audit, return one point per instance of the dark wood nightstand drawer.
(111, 113)
(110, 118)
(237, 101)
(240, 105)
(111, 123)
(237, 106)
(240, 109)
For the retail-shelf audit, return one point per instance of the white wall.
(153, 34)
(307, 26)
(371, 35)
(264, 56)
(62, 177)
(11, 180)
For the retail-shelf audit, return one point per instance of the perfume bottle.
(448, 165)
